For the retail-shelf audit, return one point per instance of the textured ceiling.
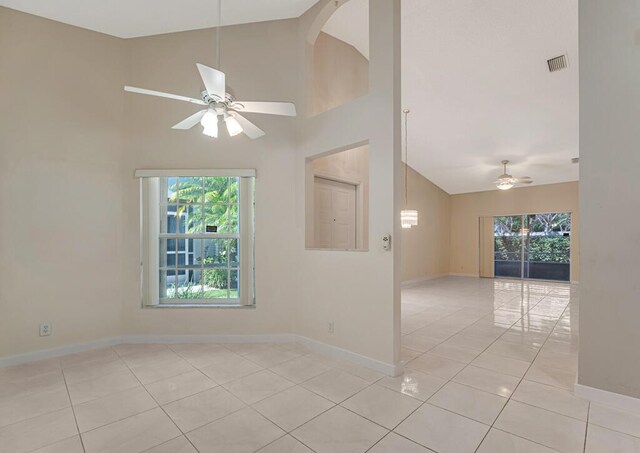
(133, 18)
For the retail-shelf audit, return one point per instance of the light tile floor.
(490, 366)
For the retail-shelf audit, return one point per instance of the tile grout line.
(525, 373)
(158, 405)
(586, 428)
(547, 294)
(73, 411)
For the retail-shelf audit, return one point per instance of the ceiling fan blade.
(214, 81)
(164, 95)
(191, 121)
(251, 130)
(524, 180)
(270, 108)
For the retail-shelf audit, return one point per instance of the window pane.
(164, 285)
(189, 285)
(163, 254)
(194, 219)
(188, 260)
(168, 284)
(216, 190)
(229, 223)
(233, 189)
(233, 284)
(233, 253)
(214, 252)
(190, 190)
(168, 223)
(172, 189)
(215, 283)
(181, 219)
(216, 215)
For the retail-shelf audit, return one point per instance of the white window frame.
(150, 237)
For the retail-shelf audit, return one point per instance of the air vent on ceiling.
(557, 63)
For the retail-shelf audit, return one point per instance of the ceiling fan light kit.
(506, 181)
(219, 103)
(209, 123)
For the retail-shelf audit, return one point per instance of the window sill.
(322, 249)
(235, 306)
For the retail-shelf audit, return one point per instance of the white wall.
(60, 183)
(72, 140)
(358, 290)
(168, 63)
(610, 195)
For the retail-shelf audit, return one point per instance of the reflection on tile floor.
(490, 367)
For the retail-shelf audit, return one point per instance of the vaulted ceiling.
(476, 79)
(133, 18)
(474, 73)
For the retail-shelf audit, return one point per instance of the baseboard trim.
(344, 354)
(607, 398)
(185, 339)
(314, 345)
(455, 274)
(415, 281)
(58, 351)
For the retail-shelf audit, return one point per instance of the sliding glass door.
(535, 246)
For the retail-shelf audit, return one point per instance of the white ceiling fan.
(506, 181)
(219, 103)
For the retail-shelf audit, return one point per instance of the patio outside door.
(535, 246)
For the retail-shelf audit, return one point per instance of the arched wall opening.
(339, 61)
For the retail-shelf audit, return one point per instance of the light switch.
(386, 242)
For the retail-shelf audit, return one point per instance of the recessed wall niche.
(340, 71)
(337, 200)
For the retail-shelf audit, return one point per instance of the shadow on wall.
(340, 71)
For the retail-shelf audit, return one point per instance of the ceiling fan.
(219, 103)
(506, 181)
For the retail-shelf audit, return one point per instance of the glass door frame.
(525, 238)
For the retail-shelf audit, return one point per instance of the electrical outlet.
(45, 329)
(331, 327)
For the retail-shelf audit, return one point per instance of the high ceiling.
(133, 18)
(475, 76)
(474, 73)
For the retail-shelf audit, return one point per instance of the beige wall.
(610, 195)
(168, 63)
(61, 146)
(72, 138)
(425, 248)
(340, 73)
(352, 166)
(466, 209)
(338, 285)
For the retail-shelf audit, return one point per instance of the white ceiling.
(133, 18)
(474, 73)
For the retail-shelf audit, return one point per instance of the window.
(198, 238)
